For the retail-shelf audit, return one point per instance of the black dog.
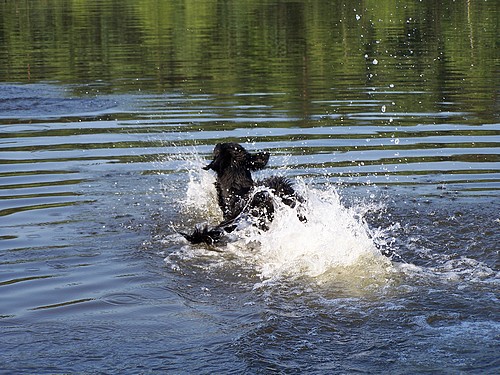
(239, 197)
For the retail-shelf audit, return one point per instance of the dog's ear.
(257, 161)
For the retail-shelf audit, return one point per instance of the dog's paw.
(203, 234)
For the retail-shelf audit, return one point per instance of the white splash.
(201, 196)
(334, 236)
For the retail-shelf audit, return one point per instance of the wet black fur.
(239, 195)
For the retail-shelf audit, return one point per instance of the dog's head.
(233, 155)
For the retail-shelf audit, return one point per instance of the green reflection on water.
(301, 48)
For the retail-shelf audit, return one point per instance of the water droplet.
(383, 108)
(375, 61)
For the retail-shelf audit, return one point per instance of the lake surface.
(384, 114)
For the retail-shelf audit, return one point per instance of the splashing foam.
(334, 237)
(201, 196)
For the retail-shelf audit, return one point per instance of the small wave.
(462, 271)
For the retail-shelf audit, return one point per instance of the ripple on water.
(118, 299)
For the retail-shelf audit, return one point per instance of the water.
(384, 116)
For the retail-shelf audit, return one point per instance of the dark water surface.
(385, 115)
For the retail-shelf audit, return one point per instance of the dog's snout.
(216, 158)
